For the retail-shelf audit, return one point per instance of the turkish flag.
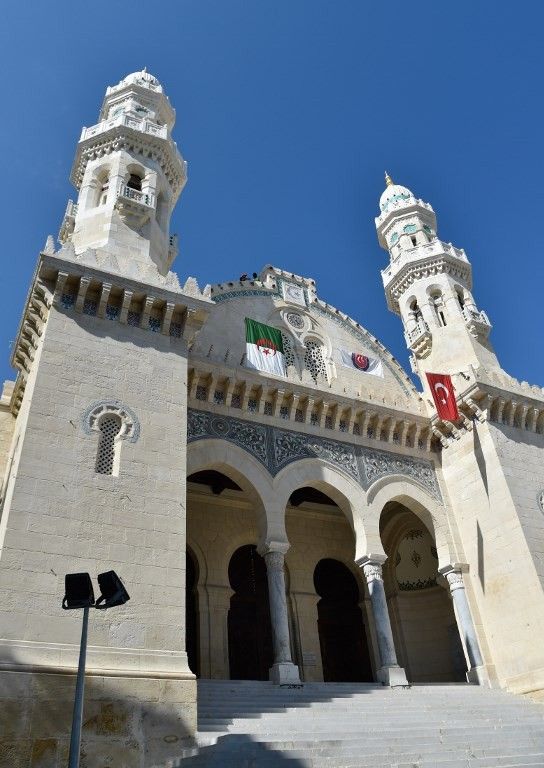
(443, 395)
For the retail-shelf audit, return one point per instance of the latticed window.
(356, 429)
(201, 392)
(236, 401)
(343, 425)
(109, 427)
(268, 409)
(314, 360)
(252, 404)
(288, 350)
(299, 416)
(284, 412)
(328, 422)
(219, 397)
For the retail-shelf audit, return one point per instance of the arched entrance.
(249, 630)
(422, 617)
(342, 637)
(191, 613)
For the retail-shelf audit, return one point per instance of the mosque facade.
(313, 522)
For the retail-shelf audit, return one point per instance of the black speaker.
(79, 591)
(112, 589)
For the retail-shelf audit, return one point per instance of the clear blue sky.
(288, 113)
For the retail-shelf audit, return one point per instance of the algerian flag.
(361, 362)
(264, 348)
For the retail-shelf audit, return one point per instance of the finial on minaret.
(388, 180)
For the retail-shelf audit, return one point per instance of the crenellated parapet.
(82, 291)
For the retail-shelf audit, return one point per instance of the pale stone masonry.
(322, 526)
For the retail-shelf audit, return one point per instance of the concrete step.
(247, 724)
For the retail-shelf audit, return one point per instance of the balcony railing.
(145, 126)
(145, 198)
(420, 329)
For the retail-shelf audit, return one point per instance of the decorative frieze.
(276, 448)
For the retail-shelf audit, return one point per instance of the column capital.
(269, 547)
(454, 575)
(274, 560)
(372, 566)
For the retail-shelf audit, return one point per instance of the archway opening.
(342, 637)
(422, 617)
(250, 634)
(191, 613)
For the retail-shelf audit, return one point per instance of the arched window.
(438, 303)
(460, 297)
(102, 187)
(314, 360)
(107, 457)
(114, 423)
(288, 350)
(135, 182)
(414, 307)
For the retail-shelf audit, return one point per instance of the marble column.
(454, 577)
(389, 673)
(283, 670)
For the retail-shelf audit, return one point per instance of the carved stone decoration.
(292, 446)
(455, 580)
(251, 437)
(295, 320)
(130, 425)
(276, 448)
(377, 464)
(373, 572)
(540, 500)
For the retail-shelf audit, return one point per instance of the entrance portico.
(309, 514)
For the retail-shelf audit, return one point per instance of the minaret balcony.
(419, 338)
(128, 121)
(68, 222)
(477, 321)
(134, 207)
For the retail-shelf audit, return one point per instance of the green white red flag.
(264, 348)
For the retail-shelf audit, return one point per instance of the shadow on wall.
(127, 722)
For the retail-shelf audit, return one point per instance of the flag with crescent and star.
(443, 395)
(361, 362)
(264, 348)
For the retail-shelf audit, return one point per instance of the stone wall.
(61, 516)
(7, 425)
(492, 482)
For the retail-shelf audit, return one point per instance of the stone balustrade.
(143, 125)
(241, 391)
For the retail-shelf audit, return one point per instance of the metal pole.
(77, 717)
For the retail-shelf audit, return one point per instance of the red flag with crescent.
(443, 395)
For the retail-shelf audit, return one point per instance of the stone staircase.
(354, 725)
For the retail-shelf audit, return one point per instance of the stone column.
(389, 673)
(454, 577)
(217, 642)
(283, 670)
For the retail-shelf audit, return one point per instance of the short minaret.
(429, 284)
(129, 175)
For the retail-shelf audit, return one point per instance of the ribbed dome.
(395, 195)
(142, 78)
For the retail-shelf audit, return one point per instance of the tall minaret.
(429, 284)
(129, 175)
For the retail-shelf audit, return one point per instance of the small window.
(413, 239)
(135, 182)
(314, 360)
(108, 447)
